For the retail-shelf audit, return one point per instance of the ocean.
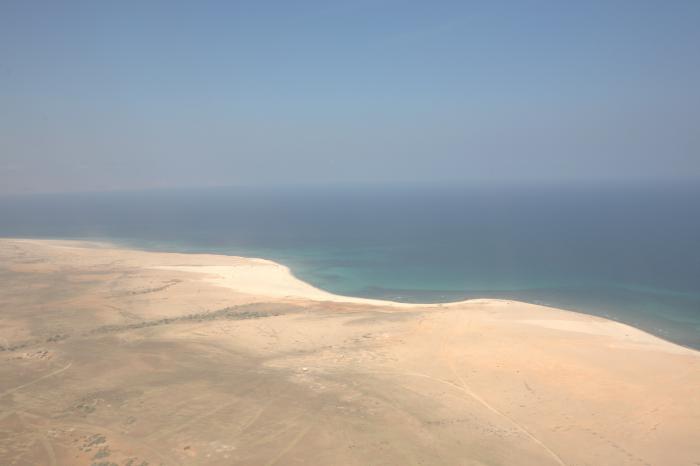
(628, 252)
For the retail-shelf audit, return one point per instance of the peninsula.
(111, 356)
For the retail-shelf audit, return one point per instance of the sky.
(147, 94)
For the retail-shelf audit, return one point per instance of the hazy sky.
(121, 95)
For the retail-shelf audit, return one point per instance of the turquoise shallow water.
(630, 253)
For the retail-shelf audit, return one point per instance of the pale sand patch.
(267, 278)
(624, 334)
(262, 277)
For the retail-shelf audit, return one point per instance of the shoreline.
(317, 293)
(285, 272)
(279, 282)
(209, 359)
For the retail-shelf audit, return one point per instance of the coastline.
(202, 359)
(265, 277)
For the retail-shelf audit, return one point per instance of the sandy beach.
(122, 357)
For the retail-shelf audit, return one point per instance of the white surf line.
(46, 376)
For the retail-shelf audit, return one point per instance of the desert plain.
(117, 357)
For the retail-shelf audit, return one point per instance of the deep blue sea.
(630, 252)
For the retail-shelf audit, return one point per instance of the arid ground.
(120, 357)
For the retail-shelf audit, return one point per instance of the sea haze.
(626, 252)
